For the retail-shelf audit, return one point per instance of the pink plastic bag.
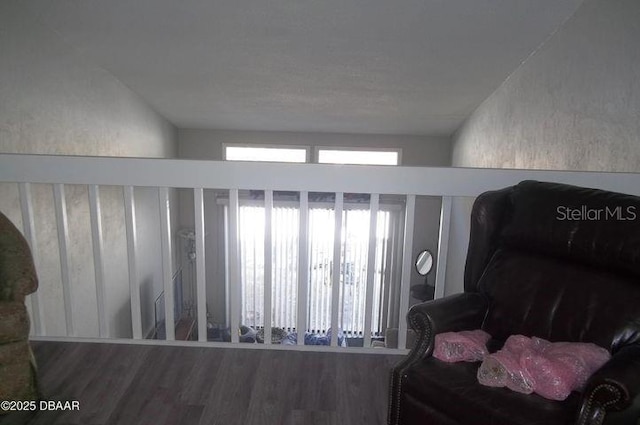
(465, 346)
(563, 367)
(551, 370)
(503, 369)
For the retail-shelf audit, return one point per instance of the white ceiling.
(347, 66)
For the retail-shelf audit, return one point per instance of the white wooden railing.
(165, 174)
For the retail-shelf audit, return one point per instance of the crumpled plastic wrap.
(464, 346)
(561, 367)
(502, 369)
(551, 370)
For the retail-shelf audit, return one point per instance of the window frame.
(307, 150)
(317, 149)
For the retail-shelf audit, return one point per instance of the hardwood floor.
(134, 384)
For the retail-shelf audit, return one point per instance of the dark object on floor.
(316, 339)
(277, 335)
(246, 334)
(549, 260)
(17, 279)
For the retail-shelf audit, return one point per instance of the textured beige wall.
(55, 102)
(573, 105)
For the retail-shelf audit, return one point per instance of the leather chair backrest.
(563, 263)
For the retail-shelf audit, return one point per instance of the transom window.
(301, 154)
(358, 156)
(265, 154)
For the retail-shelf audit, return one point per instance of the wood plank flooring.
(134, 384)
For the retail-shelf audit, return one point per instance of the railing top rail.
(434, 181)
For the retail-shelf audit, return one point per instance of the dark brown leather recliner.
(549, 260)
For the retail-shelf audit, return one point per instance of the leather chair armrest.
(450, 314)
(613, 388)
(458, 312)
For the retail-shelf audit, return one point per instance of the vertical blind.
(353, 267)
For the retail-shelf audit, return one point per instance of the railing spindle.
(201, 277)
(303, 266)
(371, 266)
(235, 285)
(95, 213)
(393, 275)
(167, 274)
(407, 259)
(268, 264)
(134, 283)
(63, 244)
(337, 248)
(443, 246)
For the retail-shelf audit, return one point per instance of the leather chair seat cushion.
(420, 414)
(454, 389)
(14, 322)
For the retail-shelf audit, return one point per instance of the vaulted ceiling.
(349, 66)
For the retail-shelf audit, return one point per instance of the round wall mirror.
(424, 262)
